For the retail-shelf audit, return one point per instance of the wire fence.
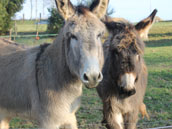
(30, 32)
(28, 36)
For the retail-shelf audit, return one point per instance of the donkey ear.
(99, 7)
(144, 26)
(114, 27)
(65, 8)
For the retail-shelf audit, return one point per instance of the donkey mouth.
(126, 93)
(90, 86)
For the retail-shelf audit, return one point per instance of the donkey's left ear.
(65, 8)
(144, 26)
(99, 7)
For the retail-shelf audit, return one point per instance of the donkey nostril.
(85, 77)
(99, 77)
(136, 79)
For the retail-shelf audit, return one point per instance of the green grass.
(29, 27)
(25, 28)
(158, 98)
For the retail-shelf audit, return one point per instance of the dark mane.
(81, 9)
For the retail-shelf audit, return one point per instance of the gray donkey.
(44, 83)
(125, 76)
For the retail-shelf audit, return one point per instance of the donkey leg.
(143, 111)
(65, 123)
(112, 117)
(114, 121)
(4, 123)
(131, 120)
(71, 123)
(47, 125)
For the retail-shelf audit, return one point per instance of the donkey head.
(125, 51)
(83, 31)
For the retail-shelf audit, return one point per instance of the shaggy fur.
(123, 53)
(44, 83)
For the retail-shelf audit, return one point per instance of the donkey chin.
(89, 86)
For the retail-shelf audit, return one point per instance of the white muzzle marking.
(128, 80)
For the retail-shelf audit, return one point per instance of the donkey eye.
(136, 79)
(116, 52)
(99, 35)
(137, 57)
(73, 37)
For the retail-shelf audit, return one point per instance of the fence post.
(37, 33)
(23, 17)
(15, 28)
(10, 34)
(40, 17)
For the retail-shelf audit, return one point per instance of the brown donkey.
(125, 76)
(44, 83)
(143, 28)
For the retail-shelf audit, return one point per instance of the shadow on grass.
(160, 34)
(159, 43)
(159, 60)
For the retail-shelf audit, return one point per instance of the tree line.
(8, 8)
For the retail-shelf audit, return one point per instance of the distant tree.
(55, 21)
(8, 8)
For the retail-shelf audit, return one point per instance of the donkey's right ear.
(114, 26)
(144, 26)
(99, 7)
(65, 8)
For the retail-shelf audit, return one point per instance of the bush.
(3, 19)
(8, 8)
(55, 21)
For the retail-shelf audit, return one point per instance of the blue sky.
(132, 10)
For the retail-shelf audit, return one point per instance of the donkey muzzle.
(91, 75)
(126, 93)
(92, 80)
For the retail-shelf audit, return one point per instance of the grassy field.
(158, 98)
(27, 30)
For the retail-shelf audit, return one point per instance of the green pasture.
(158, 98)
